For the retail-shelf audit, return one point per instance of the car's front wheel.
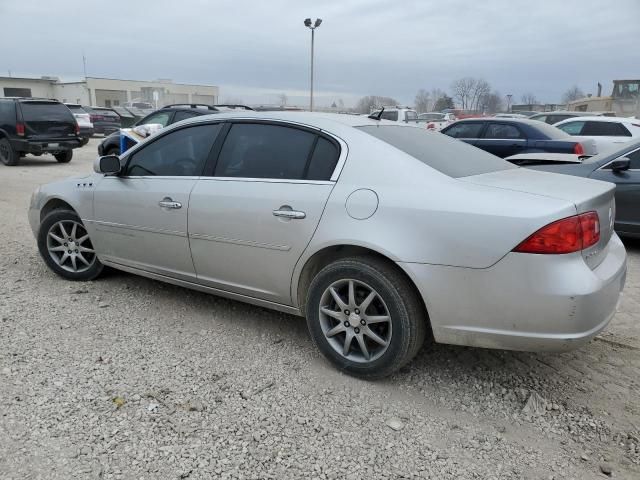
(8, 155)
(66, 248)
(365, 316)
(64, 156)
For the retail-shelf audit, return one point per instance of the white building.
(108, 92)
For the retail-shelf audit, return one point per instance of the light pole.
(312, 26)
(509, 102)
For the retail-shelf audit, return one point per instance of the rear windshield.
(45, 111)
(551, 132)
(105, 112)
(445, 154)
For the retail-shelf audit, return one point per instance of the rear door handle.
(167, 202)
(287, 212)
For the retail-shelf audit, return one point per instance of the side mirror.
(620, 164)
(107, 165)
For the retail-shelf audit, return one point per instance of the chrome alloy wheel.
(355, 320)
(69, 246)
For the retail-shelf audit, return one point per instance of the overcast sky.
(256, 49)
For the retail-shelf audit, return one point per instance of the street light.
(509, 102)
(312, 26)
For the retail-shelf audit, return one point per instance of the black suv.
(166, 116)
(36, 126)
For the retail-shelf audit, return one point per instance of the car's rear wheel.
(66, 248)
(8, 155)
(365, 316)
(64, 157)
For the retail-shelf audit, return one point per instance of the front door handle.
(286, 211)
(167, 202)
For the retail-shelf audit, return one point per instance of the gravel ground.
(129, 378)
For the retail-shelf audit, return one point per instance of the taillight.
(568, 235)
(20, 129)
(578, 149)
(431, 125)
(77, 129)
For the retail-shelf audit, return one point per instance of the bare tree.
(529, 99)
(422, 101)
(462, 90)
(282, 99)
(372, 102)
(469, 92)
(341, 104)
(492, 102)
(574, 93)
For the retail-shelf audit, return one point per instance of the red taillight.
(578, 149)
(20, 129)
(77, 129)
(568, 235)
(431, 125)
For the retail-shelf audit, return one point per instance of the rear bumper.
(524, 302)
(86, 132)
(42, 146)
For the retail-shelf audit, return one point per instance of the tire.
(50, 236)
(64, 157)
(394, 298)
(8, 155)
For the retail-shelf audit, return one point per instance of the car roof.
(595, 118)
(317, 119)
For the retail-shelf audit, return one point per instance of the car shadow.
(33, 161)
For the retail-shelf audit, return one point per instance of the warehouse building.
(109, 92)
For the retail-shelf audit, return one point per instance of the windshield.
(45, 112)
(445, 154)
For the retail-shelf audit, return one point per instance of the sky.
(256, 50)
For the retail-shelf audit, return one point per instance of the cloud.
(363, 47)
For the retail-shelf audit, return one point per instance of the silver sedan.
(380, 234)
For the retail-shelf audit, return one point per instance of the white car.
(436, 121)
(607, 132)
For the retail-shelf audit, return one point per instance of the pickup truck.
(505, 137)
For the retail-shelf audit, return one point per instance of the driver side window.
(181, 153)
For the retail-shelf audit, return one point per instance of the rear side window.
(7, 112)
(181, 153)
(501, 130)
(409, 116)
(323, 161)
(45, 112)
(449, 156)
(572, 128)
(390, 115)
(264, 151)
(605, 129)
(465, 130)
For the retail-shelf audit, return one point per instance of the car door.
(252, 218)
(627, 192)
(502, 139)
(141, 214)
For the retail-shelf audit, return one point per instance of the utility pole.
(312, 26)
(84, 65)
(509, 102)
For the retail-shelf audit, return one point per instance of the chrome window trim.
(603, 167)
(267, 180)
(344, 148)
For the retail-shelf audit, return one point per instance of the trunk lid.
(43, 119)
(586, 194)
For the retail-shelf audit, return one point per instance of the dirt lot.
(130, 378)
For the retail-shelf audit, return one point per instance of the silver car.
(380, 234)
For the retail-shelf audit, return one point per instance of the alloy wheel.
(355, 320)
(70, 247)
